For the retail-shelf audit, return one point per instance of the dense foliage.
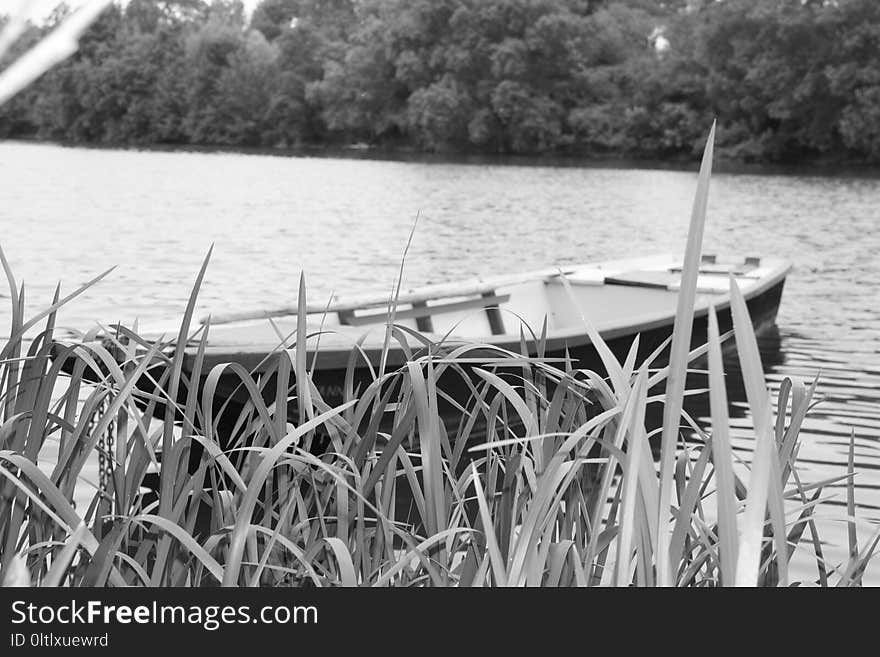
(788, 80)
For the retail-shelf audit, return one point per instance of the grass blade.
(722, 458)
(752, 528)
(678, 358)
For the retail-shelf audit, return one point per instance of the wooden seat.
(422, 312)
(655, 279)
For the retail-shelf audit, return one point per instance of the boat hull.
(330, 382)
(646, 309)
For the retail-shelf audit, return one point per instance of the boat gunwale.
(333, 357)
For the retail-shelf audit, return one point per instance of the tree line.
(787, 80)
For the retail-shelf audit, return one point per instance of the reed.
(60, 44)
(545, 477)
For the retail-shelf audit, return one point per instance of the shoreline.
(722, 165)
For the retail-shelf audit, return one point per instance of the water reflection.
(847, 406)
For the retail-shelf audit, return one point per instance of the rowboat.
(620, 298)
(544, 311)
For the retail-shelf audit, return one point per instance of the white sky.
(37, 9)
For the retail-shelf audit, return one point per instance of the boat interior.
(611, 294)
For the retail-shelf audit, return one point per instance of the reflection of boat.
(620, 298)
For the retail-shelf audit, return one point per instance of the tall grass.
(545, 477)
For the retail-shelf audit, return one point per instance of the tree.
(208, 54)
(787, 80)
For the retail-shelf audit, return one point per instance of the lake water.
(68, 214)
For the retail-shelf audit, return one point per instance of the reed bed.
(545, 477)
